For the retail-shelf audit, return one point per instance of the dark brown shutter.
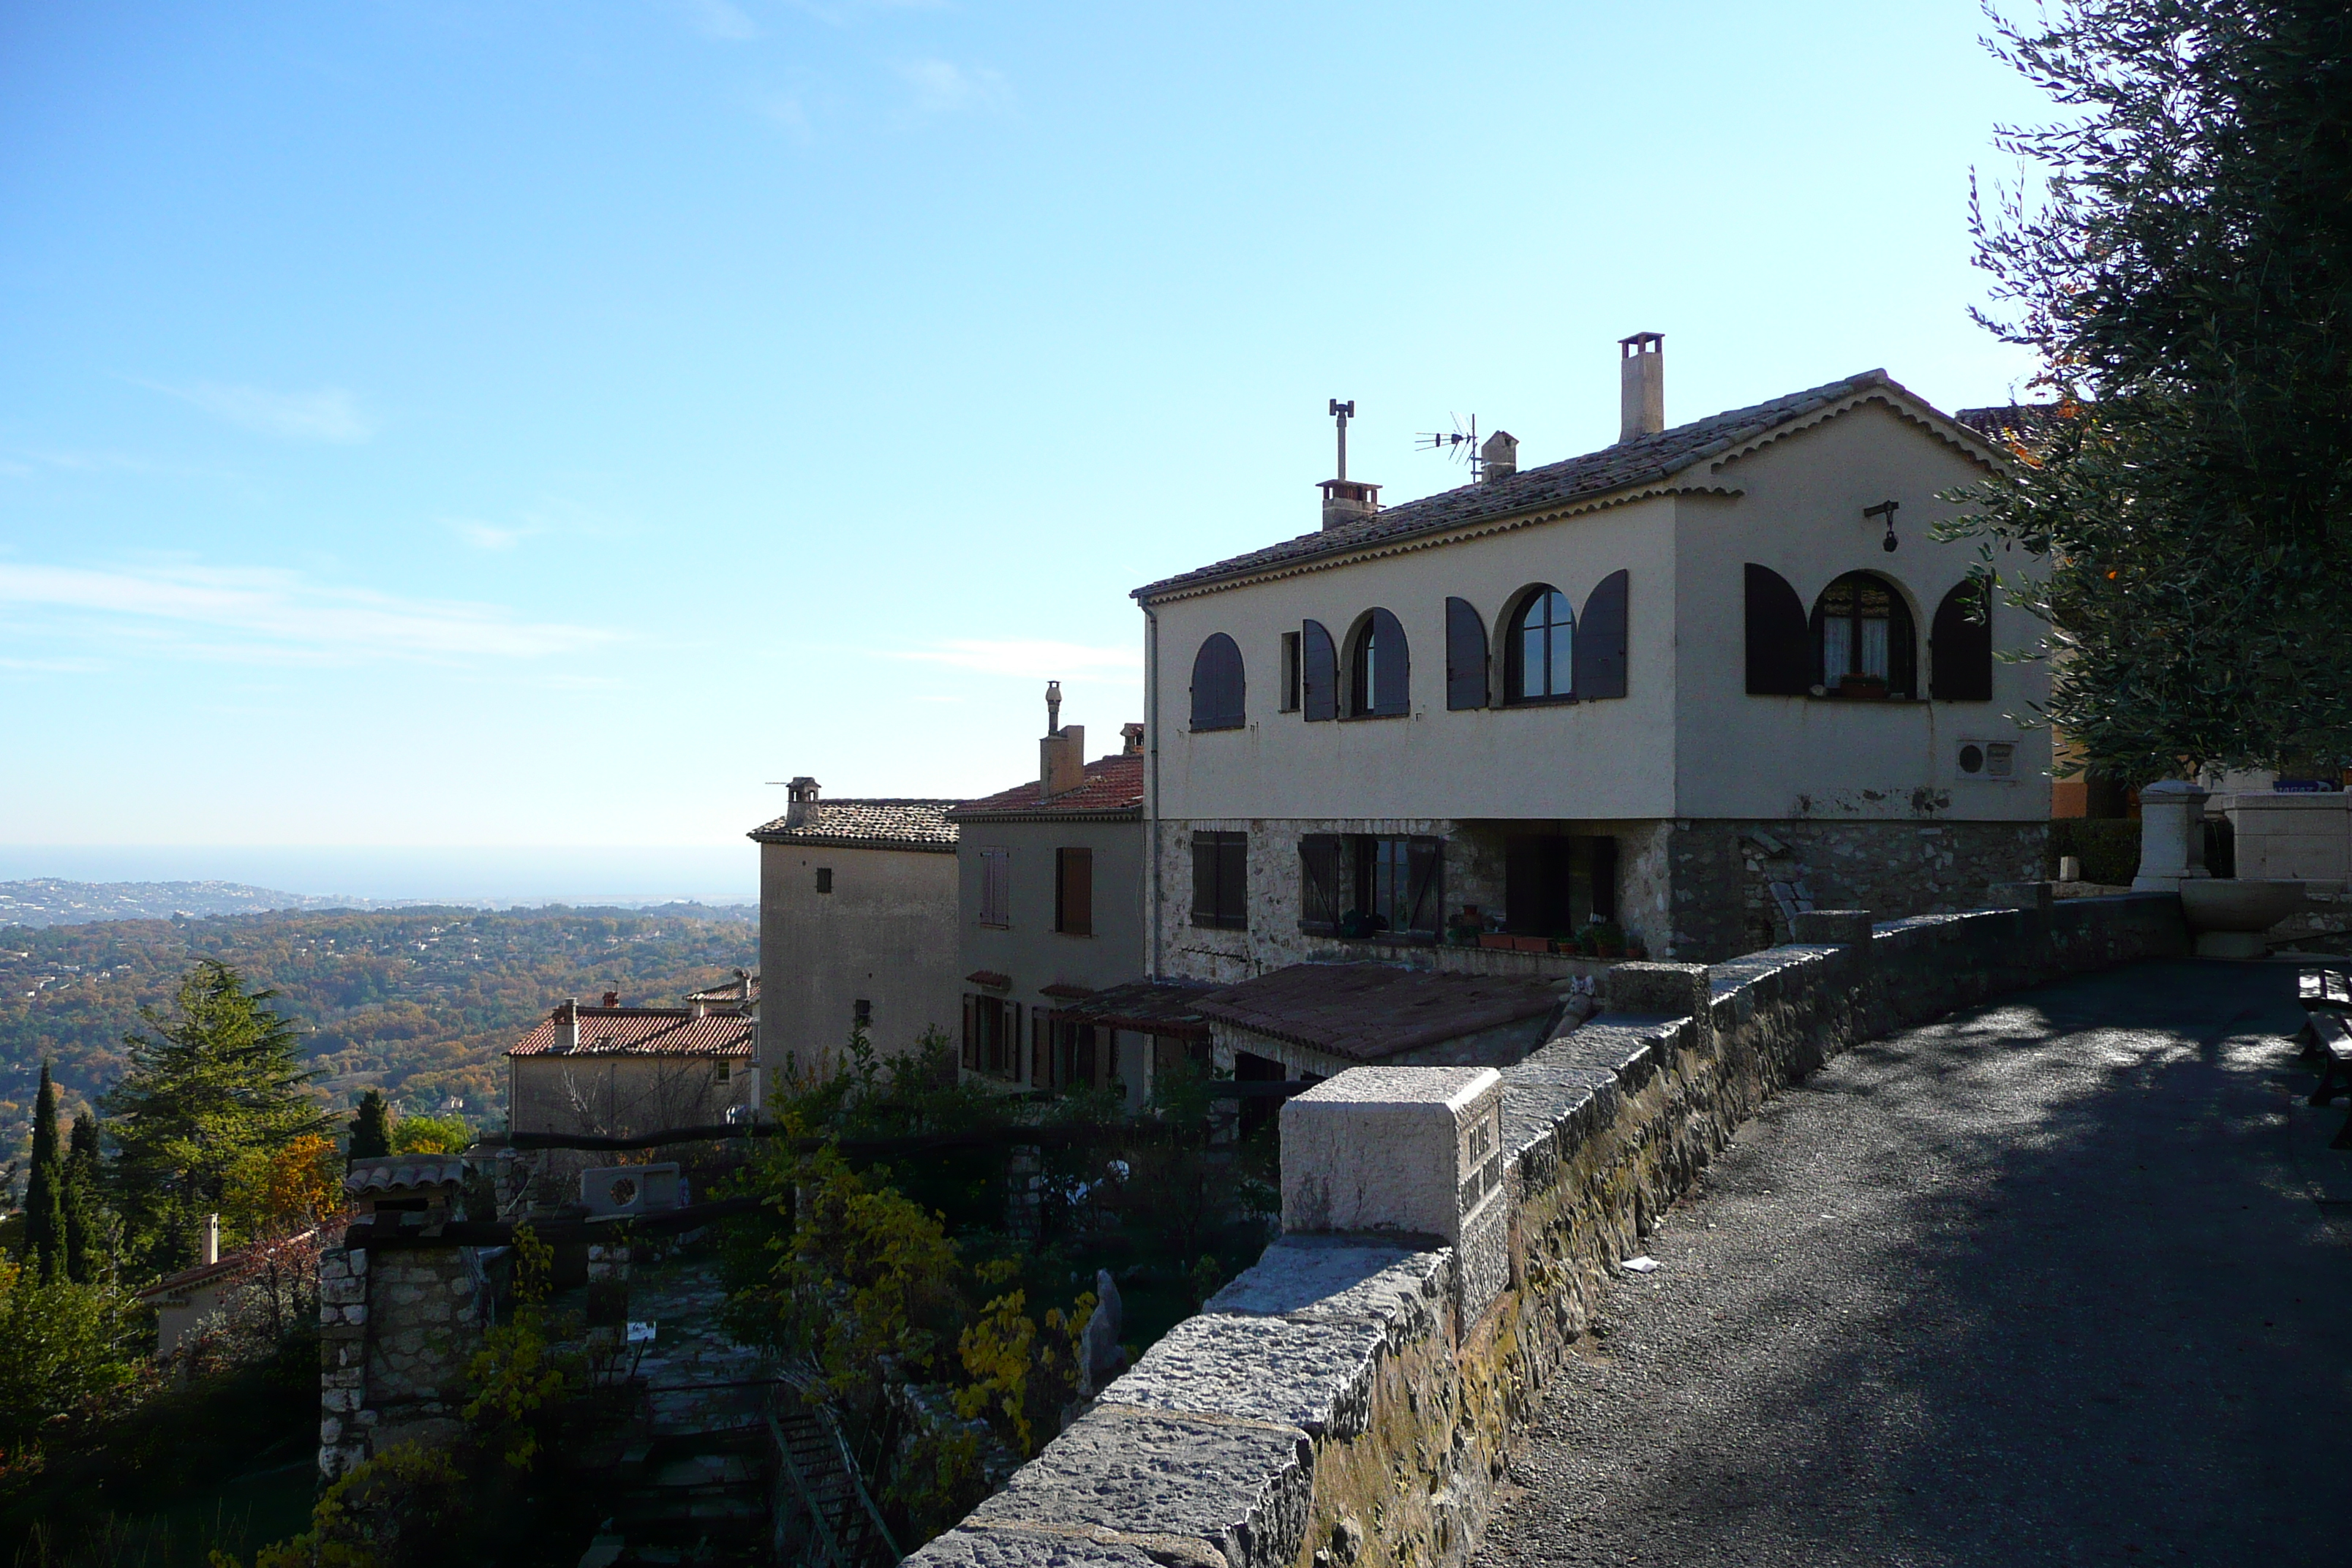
(1204, 878)
(1780, 644)
(971, 1037)
(1392, 671)
(1601, 639)
(1424, 864)
(1074, 892)
(1319, 668)
(1902, 647)
(1218, 695)
(1466, 655)
(1233, 881)
(1960, 647)
(1319, 868)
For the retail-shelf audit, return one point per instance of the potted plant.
(1608, 939)
(1465, 928)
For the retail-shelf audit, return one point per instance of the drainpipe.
(1151, 791)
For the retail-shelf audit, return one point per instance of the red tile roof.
(1113, 788)
(646, 1032)
(919, 825)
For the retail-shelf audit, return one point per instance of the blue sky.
(526, 425)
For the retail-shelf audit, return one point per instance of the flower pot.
(1529, 943)
(1610, 949)
(1862, 686)
(1496, 940)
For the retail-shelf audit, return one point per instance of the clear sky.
(431, 424)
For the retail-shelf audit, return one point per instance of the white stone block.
(1398, 1149)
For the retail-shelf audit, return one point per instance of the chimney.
(212, 1238)
(1346, 500)
(1130, 740)
(1062, 759)
(567, 1024)
(802, 796)
(1642, 380)
(612, 999)
(1498, 457)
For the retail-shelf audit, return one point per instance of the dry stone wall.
(1348, 1402)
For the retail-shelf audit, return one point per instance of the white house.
(1690, 682)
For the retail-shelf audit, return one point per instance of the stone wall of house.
(1734, 884)
(1348, 1401)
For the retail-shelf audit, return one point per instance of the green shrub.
(2107, 846)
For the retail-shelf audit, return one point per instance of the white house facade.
(1680, 686)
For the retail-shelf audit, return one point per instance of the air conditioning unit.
(1986, 759)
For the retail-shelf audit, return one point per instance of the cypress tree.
(44, 1222)
(372, 1128)
(215, 1080)
(81, 1199)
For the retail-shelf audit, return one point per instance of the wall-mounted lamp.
(1886, 508)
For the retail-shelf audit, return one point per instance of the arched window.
(1540, 653)
(1380, 669)
(1217, 686)
(1960, 647)
(1862, 644)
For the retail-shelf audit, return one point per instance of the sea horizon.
(464, 874)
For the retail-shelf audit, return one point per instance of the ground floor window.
(991, 1036)
(1363, 884)
(1221, 880)
(1557, 884)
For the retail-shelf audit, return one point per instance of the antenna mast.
(1456, 443)
(1343, 412)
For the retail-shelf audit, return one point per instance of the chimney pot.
(1130, 740)
(1498, 457)
(1052, 707)
(1641, 386)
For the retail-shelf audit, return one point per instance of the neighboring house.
(619, 1072)
(857, 925)
(1050, 914)
(1694, 682)
(740, 994)
(183, 1302)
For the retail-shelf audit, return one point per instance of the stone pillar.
(343, 1416)
(1416, 1150)
(2171, 837)
(1664, 990)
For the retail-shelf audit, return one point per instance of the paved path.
(2062, 1280)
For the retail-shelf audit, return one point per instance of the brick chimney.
(1642, 382)
(1498, 457)
(1130, 740)
(567, 1024)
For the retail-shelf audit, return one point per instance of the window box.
(1863, 687)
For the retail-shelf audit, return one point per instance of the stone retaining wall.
(1348, 1401)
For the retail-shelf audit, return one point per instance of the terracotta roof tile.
(646, 1032)
(1365, 1012)
(1146, 1006)
(404, 1172)
(922, 825)
(1113, 787)
(1644, 460)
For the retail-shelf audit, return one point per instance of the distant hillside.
(420, 1001)
(49, 902)
(52, 902)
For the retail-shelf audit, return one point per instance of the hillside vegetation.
(419, 1001)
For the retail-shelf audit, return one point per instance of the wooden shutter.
(1960, 647)
(1012, 1041)
(1601, 639)
(1425, 865)
(1779, 637)
(1392, 671)
(1318, 870)
(1233, 881)
(1204, 878)
(1320, 672)
(1217, 685)
(1074, 892)
(1041, 1055)
(971, 1036)
(1466, 655)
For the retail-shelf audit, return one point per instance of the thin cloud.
(1038, 659)
(272, 614)
(719, 19)
(943, 87)
(839, 15)
(329, 414)
(489, 536)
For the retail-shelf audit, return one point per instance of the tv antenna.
(1459, 444)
